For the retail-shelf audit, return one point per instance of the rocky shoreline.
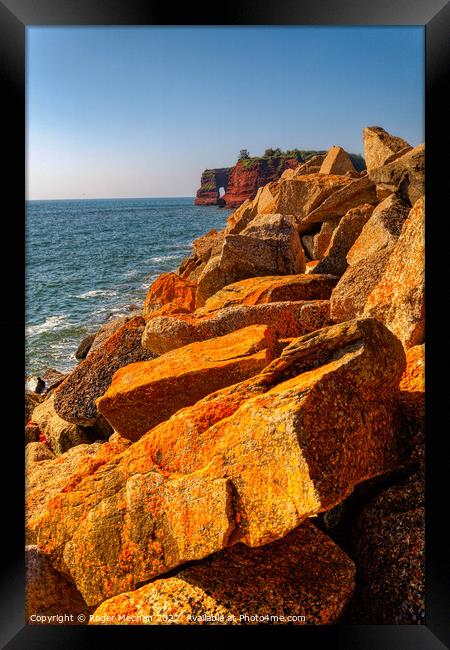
(248, 447)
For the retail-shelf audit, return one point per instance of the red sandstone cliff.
(247, 176)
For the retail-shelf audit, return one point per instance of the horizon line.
(112, 198)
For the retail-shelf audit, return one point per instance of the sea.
(90, 260)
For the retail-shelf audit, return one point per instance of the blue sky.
(141, 111)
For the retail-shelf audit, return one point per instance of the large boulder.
(404, 174)
(301, 195)
(143, 394)
(302, 579)
(170, 289)
(399, 297)
(75, 397)
(337, 161)
(262, 455)
(286, 319)
(45, 476)
(356, 192)
(269, 245)
(271, 288)
(49, 594)
(379, 145)
(208, 245)
(60, 434)
(345, 234)
(368, 258)
(382, 229)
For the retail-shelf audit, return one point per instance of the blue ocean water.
(87, 259)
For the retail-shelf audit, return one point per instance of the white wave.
(49, 325)
(161, 258)
(97, 292)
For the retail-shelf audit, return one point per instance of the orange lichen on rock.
(143, 394)
(262, 455)
(304, 575)
(271, 288)
(170, 290)
(398, 300)
(286, 319)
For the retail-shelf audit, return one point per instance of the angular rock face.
(269, 245)
(303, 575)
(75, 397)
(286, 319)
(171, 289)
(398, 300)
(303, 194)
(263, 455)
(354, 193)
(208, 245)
(382, 229)
(405, 174)
(344, 236)
(379, 145)
(144, 394)
(271, 288)
(368, 258)
(45, 477)
(61, 435)
(48, 592)
(322, 239)
(106, 330)
(337, 161)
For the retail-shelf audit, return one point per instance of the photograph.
(225, 327)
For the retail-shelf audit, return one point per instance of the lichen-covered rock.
(337, 161)
(75, 398)
(389, 552)
(356, 192)
(61, 435)
(322, 239)
(271, 288)
(303, 578)
(208, 245)
(143, 394)
(302, 194)
(344, 236)
(368, 258)
(284, 318)
(46, 475)
(379, 145)
(170, 289)
(382, 229)
(106, 330)
(404, 174)
(48, 593)
(269, 245)
(398, 300)
(262, 455)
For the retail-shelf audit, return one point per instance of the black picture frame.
(15, 16)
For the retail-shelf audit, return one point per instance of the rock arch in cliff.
(213, 186)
